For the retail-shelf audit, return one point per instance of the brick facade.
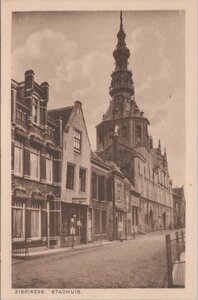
(36, 164)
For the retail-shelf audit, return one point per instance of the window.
(18, 221)
(77, 140)
(35, 111)
(18, 158)
(70, 177)
(119, 192)
(35, 164)
(49, 160)
(138, 133)
(36, 222)
(82, 176)
(101, 188)
(104, 221)
(94, 185)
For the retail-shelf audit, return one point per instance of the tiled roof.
(63, 113)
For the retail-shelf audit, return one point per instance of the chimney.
(45, 88)
(29, 80)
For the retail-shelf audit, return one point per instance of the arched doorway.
(151, 221)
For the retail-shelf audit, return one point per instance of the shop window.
(18, 221)
(104, 221)
(36, 111)
(70, 177)
(35, 164)
(97, 221)
(82, 177)
(35, 222)
(18, 158)
(101, 188)
(94, 185)
(49, 166)
(77, 140)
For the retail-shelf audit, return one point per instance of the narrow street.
(138, 263)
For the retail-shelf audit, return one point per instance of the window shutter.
(26, 162)
(43, 167)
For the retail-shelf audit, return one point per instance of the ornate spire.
(121, 77)
(159, 146)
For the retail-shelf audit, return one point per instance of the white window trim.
(36, 238)
(20, 146)
(49, 158)
(37, 152)
(22, 208)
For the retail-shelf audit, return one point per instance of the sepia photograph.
(99, 190)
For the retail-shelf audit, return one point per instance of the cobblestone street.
(130, 264)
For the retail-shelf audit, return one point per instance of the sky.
(72, 51)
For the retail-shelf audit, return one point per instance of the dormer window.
(36, 111)
(77, 140)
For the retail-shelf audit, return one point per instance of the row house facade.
(36, 165)
(75, 176)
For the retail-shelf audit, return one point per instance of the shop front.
(74, 224)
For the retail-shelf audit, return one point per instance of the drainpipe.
(113, 196)
(48, 224)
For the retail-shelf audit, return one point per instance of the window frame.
(36, 111)
(18, 145)
(49, 158)
(37, 208)
(94, 185)
(68, 177)
(36, 153)
(19, 206)
(77, 140)
(82, 180)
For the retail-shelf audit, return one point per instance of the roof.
(96, 159)
(178, 191)
(63, 113)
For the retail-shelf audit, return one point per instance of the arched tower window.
(101, 137)
(124, 131)
(110, 133)
(138, 132)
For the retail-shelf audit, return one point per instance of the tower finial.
(120, 18)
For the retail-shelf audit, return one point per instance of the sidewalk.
(40, 253)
